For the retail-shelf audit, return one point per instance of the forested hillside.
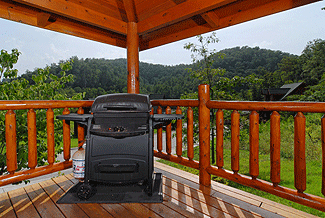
(274, 68)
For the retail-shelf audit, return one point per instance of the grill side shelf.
(164, 119)
(79, 118)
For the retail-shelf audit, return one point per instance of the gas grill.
(119, 151)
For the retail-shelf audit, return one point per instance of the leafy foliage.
(45, 86)
(7, 62)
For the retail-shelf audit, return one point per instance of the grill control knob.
(121, 129)
(116, 129)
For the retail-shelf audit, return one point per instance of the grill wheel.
(85, 191)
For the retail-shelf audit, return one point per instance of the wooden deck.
(183, 197)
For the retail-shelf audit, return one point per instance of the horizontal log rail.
(33, 170)
(165, 151)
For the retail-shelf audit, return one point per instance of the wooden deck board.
(183, 197)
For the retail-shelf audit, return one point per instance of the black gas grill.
(119, 151)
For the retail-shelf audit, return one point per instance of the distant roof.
(292, 87)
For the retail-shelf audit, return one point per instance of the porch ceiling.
(159, 21)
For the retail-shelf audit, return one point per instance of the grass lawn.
(314, 172)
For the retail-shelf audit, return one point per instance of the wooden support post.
(133, 58)
(204, 134)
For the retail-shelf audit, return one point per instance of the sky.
(288, 31)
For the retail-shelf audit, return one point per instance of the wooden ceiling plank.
(151, 7)
(243, 14)
(211, 18)
(157, 38)
(103, 7)
(79, 13)
(176, 32)
(43, 19)
(179, 12)
(27, 15)
(130, 10)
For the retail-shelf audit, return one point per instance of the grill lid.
(123, 102)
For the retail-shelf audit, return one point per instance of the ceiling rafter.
(130, 10)
(79, 13)
(179, 12)
(27, 15)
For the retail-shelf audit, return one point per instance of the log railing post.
(190, 143)
(168, 133)
(300, 152)
(235, 141)
(81, 129)
(66, 136)
(179, 141)
(323, 154)
(254, 144)
(50, 136)
(32, 139)
(219, 143)
(275, 154)
(204, 134)
(11, 141)
(159, 133)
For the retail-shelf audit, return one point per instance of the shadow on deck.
(183, 197)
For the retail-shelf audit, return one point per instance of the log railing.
(11, 141)
(206, 169)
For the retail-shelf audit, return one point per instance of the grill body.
(119, 148)
(119, 151)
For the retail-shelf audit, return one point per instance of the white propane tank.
(78, 163)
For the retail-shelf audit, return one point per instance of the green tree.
(46, 86)
(7, 62)
(221, 87)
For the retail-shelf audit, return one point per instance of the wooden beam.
(179, 12)
(79, 13)
(27, 15)
(211, 18)
(43, 19)
(133, 58)
(130, 10)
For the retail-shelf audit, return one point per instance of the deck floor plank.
(189, 200)
(6, 209)
(139, 210)
(117, 210)
(42, 202)
(21, 203)
(183, 197)
(92, 210)
(211, 202)
(55, 192)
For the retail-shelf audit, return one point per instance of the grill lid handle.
(120, 107)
